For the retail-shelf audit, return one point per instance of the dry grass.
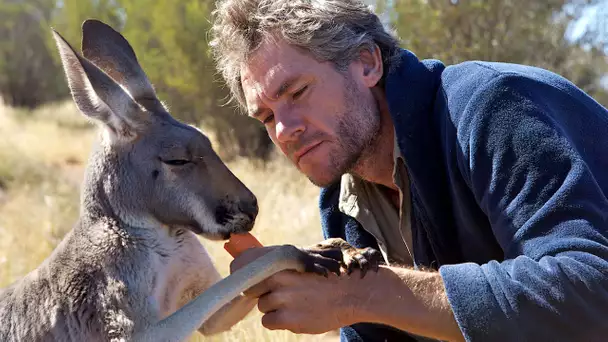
(42, 155)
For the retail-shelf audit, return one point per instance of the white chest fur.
(183, 270)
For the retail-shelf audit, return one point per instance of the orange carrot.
(238, 243)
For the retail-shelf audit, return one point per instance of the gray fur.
(133, 258)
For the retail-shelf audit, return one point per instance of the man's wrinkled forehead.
(265, 84)
(257, 89)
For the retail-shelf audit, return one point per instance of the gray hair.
(331, 30)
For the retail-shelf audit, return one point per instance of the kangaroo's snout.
(237, 216)
(236, 207)
(249, 208)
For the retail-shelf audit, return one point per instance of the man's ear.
(96, 95)
(372, 66)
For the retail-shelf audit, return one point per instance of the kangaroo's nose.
(250, 208)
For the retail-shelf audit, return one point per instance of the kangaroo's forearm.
(228, 315)
(190, 317)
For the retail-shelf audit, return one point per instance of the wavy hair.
(331, 30)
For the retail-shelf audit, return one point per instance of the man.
(483, 184)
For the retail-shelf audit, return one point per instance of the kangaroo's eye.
(176, 162)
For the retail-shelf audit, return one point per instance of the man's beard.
(357, 135)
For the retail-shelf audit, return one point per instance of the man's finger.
(283, 278)
(273, 300)
(258, 289)
(286, 320)
(271, 320)
(279, 320)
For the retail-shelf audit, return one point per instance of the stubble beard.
(358, 131)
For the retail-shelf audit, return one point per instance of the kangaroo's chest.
(182, 269)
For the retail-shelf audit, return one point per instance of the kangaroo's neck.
(99, 187)
(104, 194)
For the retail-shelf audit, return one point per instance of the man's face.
(321, 118)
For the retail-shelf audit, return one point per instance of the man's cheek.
(285, 150)
(273, 136)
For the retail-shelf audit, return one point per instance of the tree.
(69, 15)
(30, 69)
(28, 74)
(517, 31)
(170, 39)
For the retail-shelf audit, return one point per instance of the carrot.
(238, 243)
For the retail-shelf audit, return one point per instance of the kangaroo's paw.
(350, 258)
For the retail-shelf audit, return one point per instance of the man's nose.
(289, 128)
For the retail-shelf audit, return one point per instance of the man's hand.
(403, 298)
(300, 302)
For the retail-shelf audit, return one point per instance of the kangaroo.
(132, 268)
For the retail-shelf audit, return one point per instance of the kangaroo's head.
(149, 170)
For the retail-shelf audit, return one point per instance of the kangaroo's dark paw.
(350, 258)
(317, 263)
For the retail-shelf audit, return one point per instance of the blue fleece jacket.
(508, 168)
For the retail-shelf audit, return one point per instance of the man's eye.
(176, 162)
(268, 119)
(299, 93)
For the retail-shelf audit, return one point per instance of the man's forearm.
(410, 300)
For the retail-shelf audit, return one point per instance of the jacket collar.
(416, 103)
(411, 87)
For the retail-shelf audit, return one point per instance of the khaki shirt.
(373, 209)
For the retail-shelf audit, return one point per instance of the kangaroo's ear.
(113, 54)
(97, 95)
